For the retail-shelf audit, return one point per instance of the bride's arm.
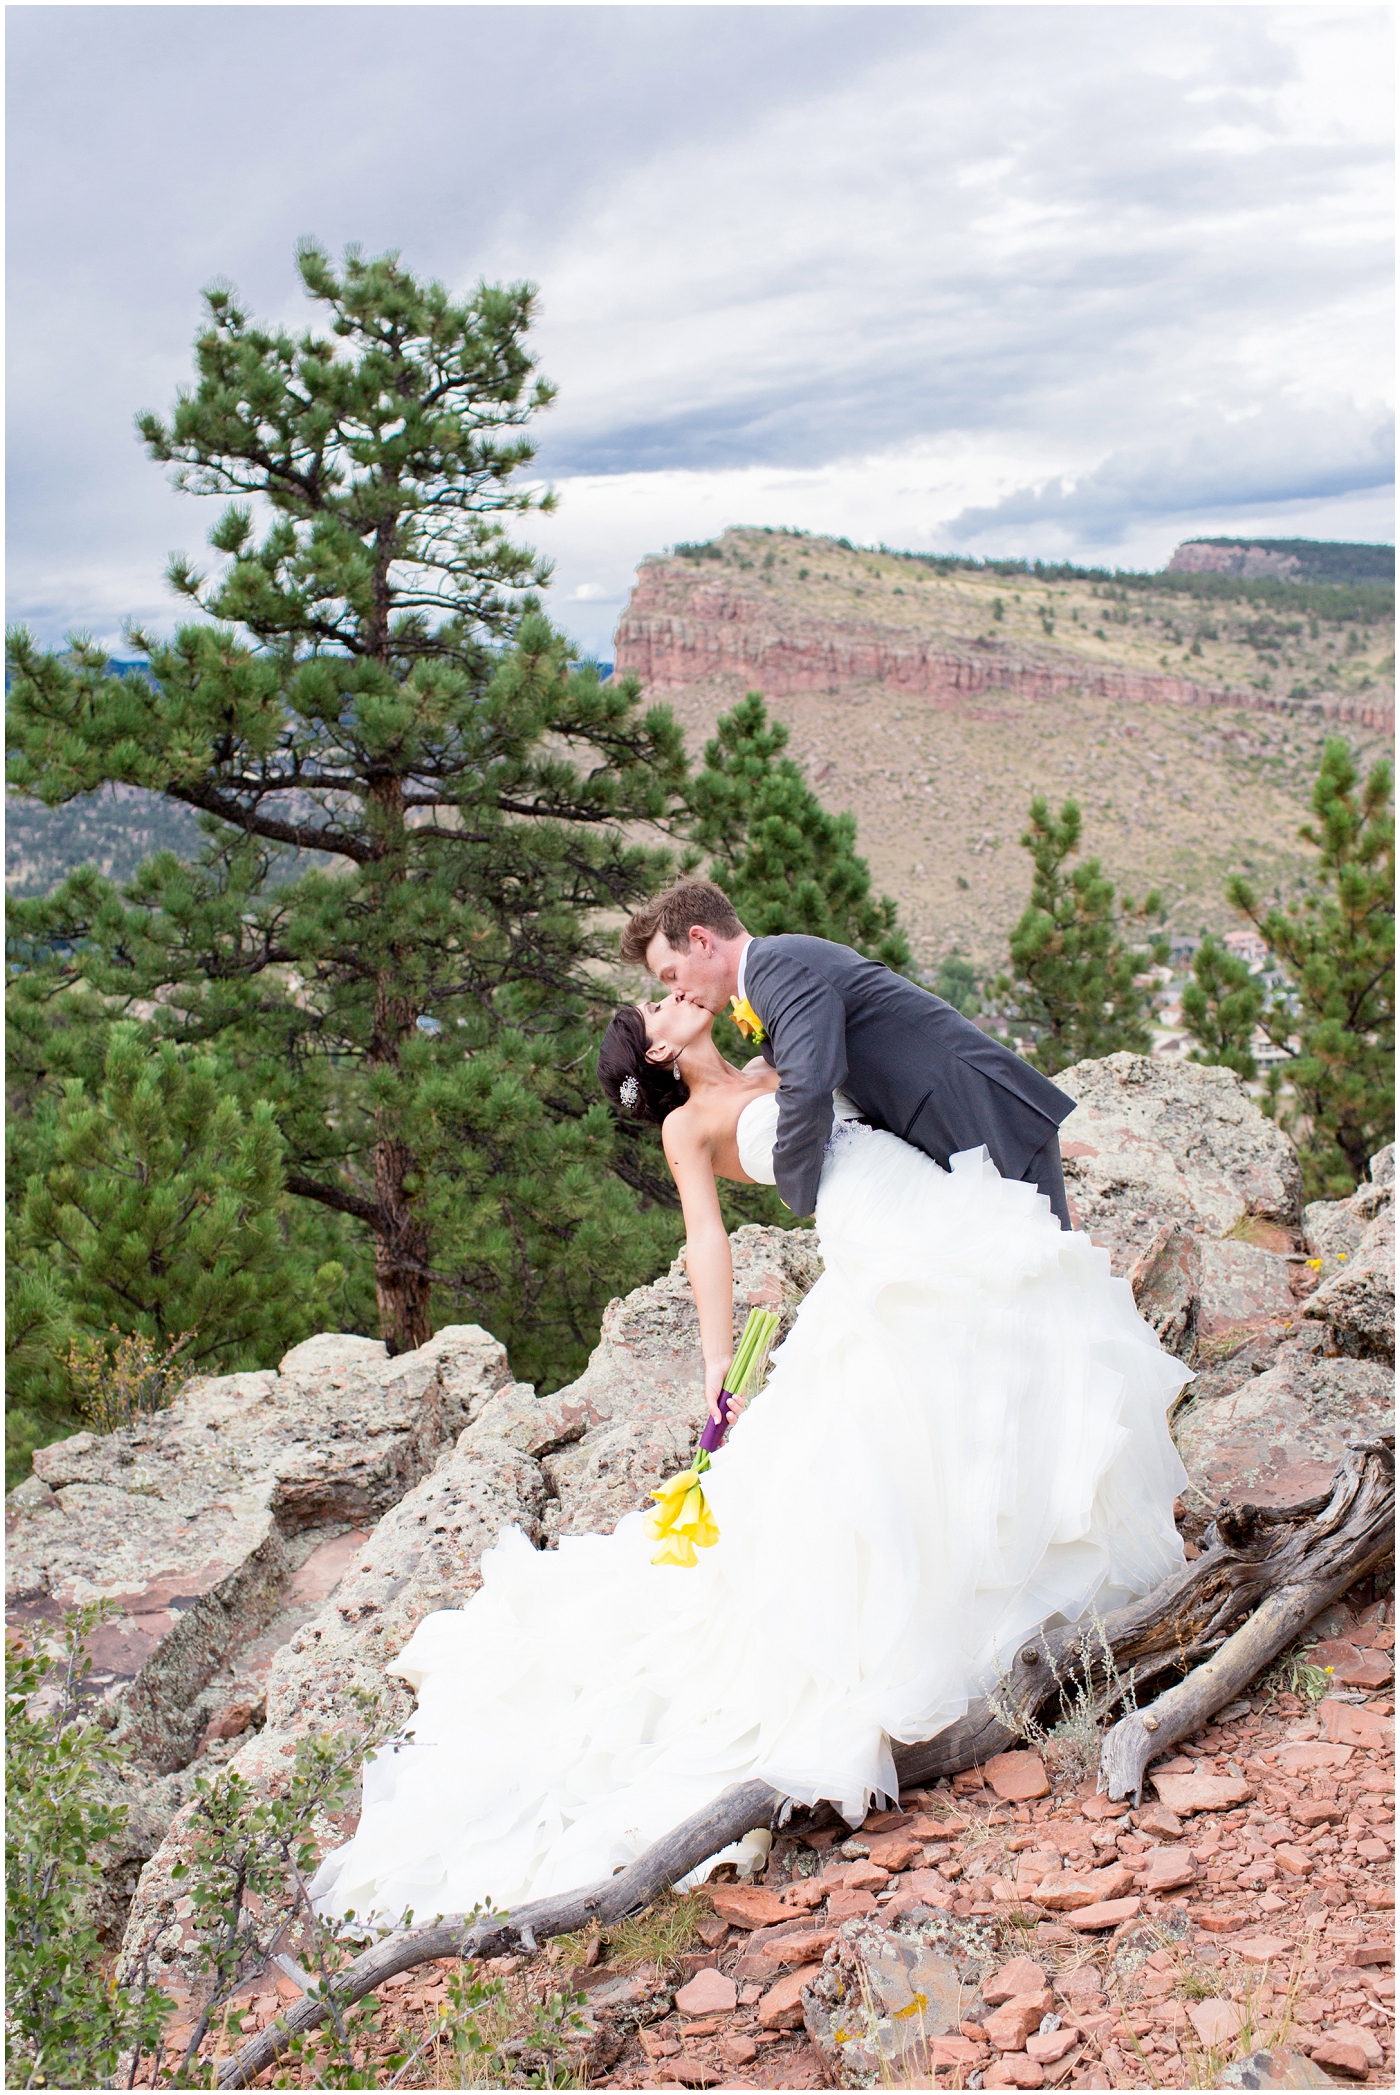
(707, 1258)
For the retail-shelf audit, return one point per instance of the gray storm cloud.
(930, 274)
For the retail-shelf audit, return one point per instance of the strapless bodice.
(757, 1131)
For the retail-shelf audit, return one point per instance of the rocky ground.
(272, 1538)
(1016, 1930)
(934, 721)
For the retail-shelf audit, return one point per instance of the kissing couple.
(963, 1439)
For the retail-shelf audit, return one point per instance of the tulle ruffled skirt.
(964, 1437)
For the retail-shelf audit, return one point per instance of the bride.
(962, 1438)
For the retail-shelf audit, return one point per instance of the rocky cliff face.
(933, 704)
(1248, 562)
(273, 1539)
(682, 626)
(737, 619)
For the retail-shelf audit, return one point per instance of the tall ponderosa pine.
(1072, 969)
(1336, 946)
(1221, 1006)
(371, 686)
(786, 863)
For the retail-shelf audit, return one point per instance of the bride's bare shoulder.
(686, 1129)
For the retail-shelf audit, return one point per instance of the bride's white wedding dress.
(963, 1437)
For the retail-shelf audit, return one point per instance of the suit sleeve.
(805, 1020)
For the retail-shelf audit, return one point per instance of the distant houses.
(1171, 1041)
(1247, 946)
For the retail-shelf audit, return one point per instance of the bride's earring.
(676, 1071)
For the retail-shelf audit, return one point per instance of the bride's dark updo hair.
(639, 1089)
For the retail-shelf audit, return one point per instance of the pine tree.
(156, 1214)
(1336, 947)
(784, 861)
(416, 806)
(39, 1329)
(1221, 1006)
(157, 1211)
(1073, 972)
(956, 982)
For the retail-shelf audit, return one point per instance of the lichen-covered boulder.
(1355, 1241)
(195, 1520)
(1152, 1142)
(884, 2008)
(568, 1463)
(1277, 1437)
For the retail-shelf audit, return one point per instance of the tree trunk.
(401, 1248)
(401, 1243)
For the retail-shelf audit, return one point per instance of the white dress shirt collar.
(743, 966)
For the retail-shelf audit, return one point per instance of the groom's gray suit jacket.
(908, 1061)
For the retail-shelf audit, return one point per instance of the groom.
(833, 1021)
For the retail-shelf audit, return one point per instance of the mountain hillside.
(932, 697)
(1291, 559)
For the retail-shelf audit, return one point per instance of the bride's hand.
(714, 1383)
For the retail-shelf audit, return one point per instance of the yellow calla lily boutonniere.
(683, 1522)
(746, 1019)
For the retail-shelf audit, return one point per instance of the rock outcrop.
(571, 1463)
(737, 620)
(1198, 1199)
(1152, 1143)
(1355, 1242)
(273, 1539)
(195, 1522)
(214, 1529)
(1197, 557)
(681, 628)
(1277, 1402)
(1277, 1438)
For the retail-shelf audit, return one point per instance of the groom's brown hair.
(673, 912)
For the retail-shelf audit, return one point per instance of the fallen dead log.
(736, 1812)
(1314, 1553)
(1269, 1569)
(1320, 1547)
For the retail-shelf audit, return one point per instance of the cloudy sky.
(1074, 282)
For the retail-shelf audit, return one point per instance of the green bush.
(67, 2024)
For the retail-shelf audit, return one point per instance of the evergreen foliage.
(956, 982)
(1221, 1006)
(1336, 946)
(783, 860)
(370, 682)
(154, 1211)
(1072, 969)
(157, 1212)
(64, 2027)
(39, 1331)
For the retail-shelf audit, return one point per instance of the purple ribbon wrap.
(715, 1429)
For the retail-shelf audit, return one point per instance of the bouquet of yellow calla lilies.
(683, 1522)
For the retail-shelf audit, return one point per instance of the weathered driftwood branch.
(1321, 1546)
(728, 1818)
(1286, 1563)
(1312, 1562)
